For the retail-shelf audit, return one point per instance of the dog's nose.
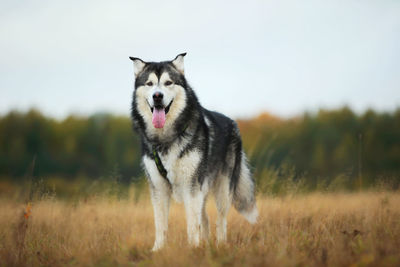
(158, 96)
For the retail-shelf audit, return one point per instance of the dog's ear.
(138, 65)
(178, 62)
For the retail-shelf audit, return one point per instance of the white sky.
(244, 57)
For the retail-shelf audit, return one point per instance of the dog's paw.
(157, 246)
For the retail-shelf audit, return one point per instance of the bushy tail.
(243, 196)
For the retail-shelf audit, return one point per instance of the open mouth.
(159, 113)
(161, 107)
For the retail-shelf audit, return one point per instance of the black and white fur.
(200, 149)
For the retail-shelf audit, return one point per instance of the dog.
(188, 152)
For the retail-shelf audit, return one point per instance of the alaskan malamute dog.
(188, 152)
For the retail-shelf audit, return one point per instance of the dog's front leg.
(193, 207)
(160, 197)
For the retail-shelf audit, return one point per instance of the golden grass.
(311, 230)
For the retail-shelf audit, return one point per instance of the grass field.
(359, 229)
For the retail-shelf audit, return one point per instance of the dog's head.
(160, 90)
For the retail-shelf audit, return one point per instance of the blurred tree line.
(327, 148)
(75, 147)
(323, 148)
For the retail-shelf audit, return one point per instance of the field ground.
(359, 229)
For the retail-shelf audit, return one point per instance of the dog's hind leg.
(205, 230)
(223, 201)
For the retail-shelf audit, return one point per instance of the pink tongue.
(158, 118)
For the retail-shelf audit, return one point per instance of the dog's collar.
(160, 166)
(185, 127)
(157, 160)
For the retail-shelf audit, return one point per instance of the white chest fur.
(181, 170)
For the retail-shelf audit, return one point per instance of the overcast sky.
(243, 57)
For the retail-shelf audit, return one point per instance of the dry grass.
(311, 230)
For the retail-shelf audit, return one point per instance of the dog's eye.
(167, 83)
(149, 83)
